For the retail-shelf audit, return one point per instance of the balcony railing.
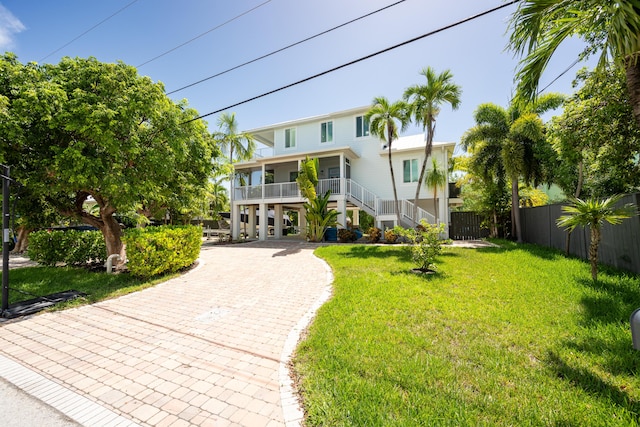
(355, 193)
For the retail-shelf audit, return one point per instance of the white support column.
(277, 221)
(263, 181)
(251, 221)
(235, 221)
(356, 217)
(342, 211)
(264, 221)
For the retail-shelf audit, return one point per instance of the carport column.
(251, 225)
(235, 221)
(342, 211)
(302, 222)
(356, 217)
(264, 221)
(277, 221)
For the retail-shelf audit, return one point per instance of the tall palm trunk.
(515, 210)
(632, 69)
(427, 152)
(393, 182)
(593, 252)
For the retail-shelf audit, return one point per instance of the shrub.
(374, 234)
(156, 250)
(425, 243)
(390, 235)
(72, 247)
(346, 235)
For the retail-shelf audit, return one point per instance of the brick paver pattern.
(201, 349)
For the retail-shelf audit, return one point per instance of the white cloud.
(9, 26)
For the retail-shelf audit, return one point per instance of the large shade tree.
(611, 27)
(512, 142)
(596, 139)
(385, 121)
(83, 130)
(426, 101)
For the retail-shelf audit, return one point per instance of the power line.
(285, 48)
(90, 29)
(205, 33)
(339, 67)
(573, 64)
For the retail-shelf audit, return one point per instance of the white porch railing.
(355, 193)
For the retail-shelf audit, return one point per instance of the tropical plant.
(319, 217)
(611, 27)
(385, 119)
(425, 101)
(593, 213)
(436, 179)
(511, 142)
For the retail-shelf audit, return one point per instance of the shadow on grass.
(592, 383)
(380, 252)
(615, 298)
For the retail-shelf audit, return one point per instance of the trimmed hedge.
(71, 247)
(166, 249)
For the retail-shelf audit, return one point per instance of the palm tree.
(385, 119)
(240, 143)
(593, 213)
(436, 179)
(612, 27)
(425, 101)
(509, 142)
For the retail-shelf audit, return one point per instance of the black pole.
(5, 239)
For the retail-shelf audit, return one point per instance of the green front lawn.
(30, 282)
(516, 335)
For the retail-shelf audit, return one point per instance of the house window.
(362, 126)
(410, 169)
(289, 138)
(326, 132)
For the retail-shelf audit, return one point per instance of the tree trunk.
(632, 68)
(515, 210)
(593, 252)
(23, 239)
(393, 182)
(427, 152)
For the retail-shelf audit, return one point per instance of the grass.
(516, 335)
(26, 283)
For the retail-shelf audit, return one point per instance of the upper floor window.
(362, 126)
(289, 138)
(326, 132)
(410, 170)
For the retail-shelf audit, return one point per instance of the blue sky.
(474, 52)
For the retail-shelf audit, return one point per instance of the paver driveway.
(207, 348)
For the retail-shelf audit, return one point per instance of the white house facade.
(353, 164)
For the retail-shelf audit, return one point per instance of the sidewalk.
(207, 348)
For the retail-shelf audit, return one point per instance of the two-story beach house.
(353, 164)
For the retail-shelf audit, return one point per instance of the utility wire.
(431, 33)
(285, 48)
(205, 33)
(573, 64)
(90, 29)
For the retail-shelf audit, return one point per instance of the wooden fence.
(466, 226)
(620, 246)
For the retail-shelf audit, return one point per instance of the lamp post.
(5, 238)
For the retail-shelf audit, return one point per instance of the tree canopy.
(84, 129)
